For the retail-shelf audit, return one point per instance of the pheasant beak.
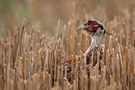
(82, 26)
(85, 27)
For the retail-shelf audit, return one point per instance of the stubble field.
(28, 51)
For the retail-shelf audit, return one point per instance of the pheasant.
(97, 33)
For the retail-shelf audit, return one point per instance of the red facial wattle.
(93, 25)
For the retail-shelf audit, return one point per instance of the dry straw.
(33, 61)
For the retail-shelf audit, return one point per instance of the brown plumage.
(93, 57)
(97, 32)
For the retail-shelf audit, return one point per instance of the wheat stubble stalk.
(27, 57)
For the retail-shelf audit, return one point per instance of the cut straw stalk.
(26, 53)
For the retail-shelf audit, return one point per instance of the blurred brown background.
(46, 13)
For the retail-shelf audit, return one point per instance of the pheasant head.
(97, 32)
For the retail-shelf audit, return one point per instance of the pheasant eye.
(94, 23)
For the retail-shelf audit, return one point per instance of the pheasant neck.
(96, 43)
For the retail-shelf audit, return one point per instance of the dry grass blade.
(31, 60)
